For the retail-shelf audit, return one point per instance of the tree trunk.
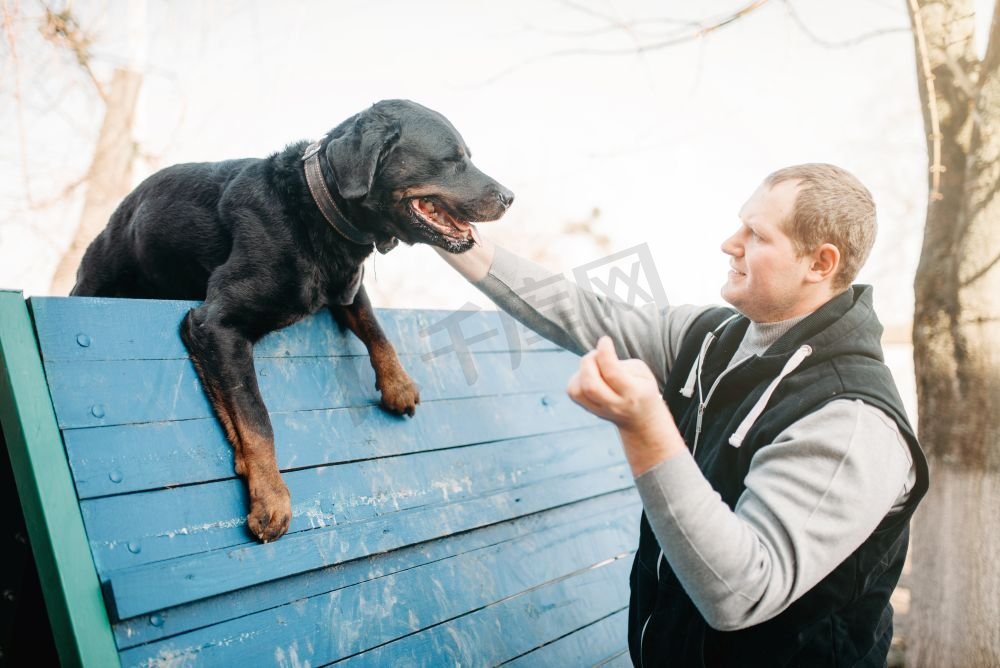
(955, 586)
(110, 176)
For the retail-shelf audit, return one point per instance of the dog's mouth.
(440, 220)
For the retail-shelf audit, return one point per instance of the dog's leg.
(224, 360)
(399, 392)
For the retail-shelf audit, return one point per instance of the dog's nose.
(506, 197)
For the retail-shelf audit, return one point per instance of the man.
(776, 466)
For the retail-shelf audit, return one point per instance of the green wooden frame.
(72, 592)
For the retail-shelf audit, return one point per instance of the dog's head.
(406, 172)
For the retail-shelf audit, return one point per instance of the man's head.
(803, 237)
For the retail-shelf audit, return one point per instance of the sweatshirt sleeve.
(812, 497)
(575, 318)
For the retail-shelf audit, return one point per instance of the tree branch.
(62, 29)
(67, 190)
(633, 27)
(618, 24)
(932, 104)
(843, 44)
(702, 30)
(9, 18)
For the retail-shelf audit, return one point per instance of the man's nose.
(730, 246)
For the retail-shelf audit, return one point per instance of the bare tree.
(57, 31)
(956, 343)
(109, 177)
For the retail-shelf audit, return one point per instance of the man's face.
(766, 278)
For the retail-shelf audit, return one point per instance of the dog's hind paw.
(400, 396)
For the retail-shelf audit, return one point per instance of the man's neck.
(762, 335)
(808, 304)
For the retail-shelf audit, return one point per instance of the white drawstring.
(688, 389)
(736, 440)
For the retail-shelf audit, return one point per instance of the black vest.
(846, 619)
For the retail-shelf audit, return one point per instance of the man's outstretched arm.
(570, 316)
(474, 264)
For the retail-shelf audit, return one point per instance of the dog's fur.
(247, 237)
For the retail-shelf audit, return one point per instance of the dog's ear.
(354, 154)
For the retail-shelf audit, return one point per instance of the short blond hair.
(831, 206)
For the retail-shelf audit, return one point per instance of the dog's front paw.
(270, 509)
(400, 395)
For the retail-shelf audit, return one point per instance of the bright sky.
(666, 144)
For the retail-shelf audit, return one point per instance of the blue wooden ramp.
(495, 527)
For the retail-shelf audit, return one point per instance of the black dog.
(267, 242)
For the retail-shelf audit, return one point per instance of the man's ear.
(354, 152)
(824, 262)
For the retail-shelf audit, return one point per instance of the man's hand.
(474, 264)
(625, 393)
(621, 391)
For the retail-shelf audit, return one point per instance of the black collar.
(324, 200)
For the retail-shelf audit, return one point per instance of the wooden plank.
(139, 457)
(509, 628)
(620, 660)
(596, 642)
(351, 620)
(158, 585)
(92, 394)
(69, 583)
(622, 506)
(85, 328)
(135, 529)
